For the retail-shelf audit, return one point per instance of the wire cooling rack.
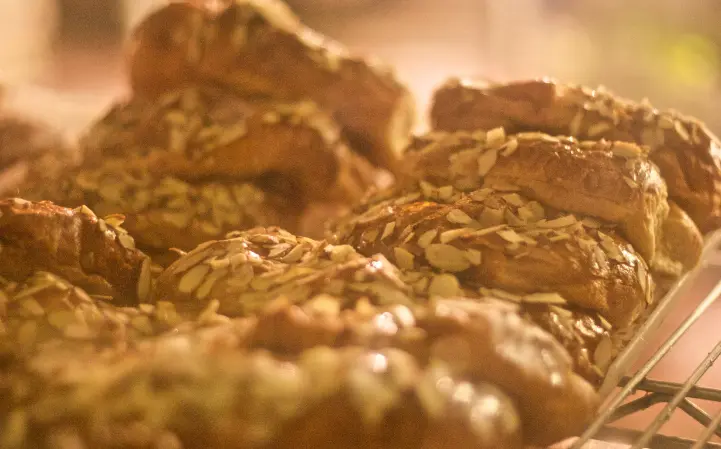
(676, 396)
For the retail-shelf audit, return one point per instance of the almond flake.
(648, 137)
(626, 150)
(489, 230)
(495, 137)
(486, 161)
(449, 236)
(642, 274)
(695, 138)
(604, 322)
(458, 216)
(664, 122)
(514, 199)
(681, 131)
(499, 294)
(512, 219)
(388, 230)
(294, 255)
(560, 311)
(445, 193)
(429, 190)
(600, 258)
(630, 182)
(536, 136)
(559, 237)
(545, 298)
(598, 128)
(574, 128)
(404, 258)
(603, 353)
(427, 238)
(192, 278)
(474, 256)
(560, 222)
(444, 285)
(446, 257)
(509, 148)
(591, 223)
(504, 186)
(511, 236)
(370, 235)
(491, 217)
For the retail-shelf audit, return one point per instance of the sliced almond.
(445, 193)
(474, 256)
(459, 217)
(510, 236)
(444, 285)
(495, 137)
(574, 127)
(486, 161)
(480, 194)
(489, 230)
(449, 236)
(598, 128)
(510, 147)
(388, 230)
(681, 131)
(545, 298)
(514, 199)
(193, 278)
(603, 354)
(446, 257)
(427, 238)
(560, 222)
(626, 150)
(404, 258)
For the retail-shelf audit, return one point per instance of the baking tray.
(648, 328)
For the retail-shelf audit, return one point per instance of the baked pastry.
(48, 311)
(185, 44)
(330, 295)
(197, 163)
(683, 148)
(173, 393)
(611, 181)
(26, 146)
(201, 133)
(95, 254)
(491, 239)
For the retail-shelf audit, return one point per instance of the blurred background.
(65, 57)
(666, 50)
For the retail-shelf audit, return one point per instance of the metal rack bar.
(632, 384)
(713, 427)
(666, 413)
(670, 388)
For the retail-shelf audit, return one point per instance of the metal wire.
(676, 396)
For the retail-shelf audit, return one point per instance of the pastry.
(684, 149)
(611, 181)
(93, 253)
(184, 44)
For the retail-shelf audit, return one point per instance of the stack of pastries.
(223, 264)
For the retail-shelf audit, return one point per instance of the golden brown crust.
(200, 133)
(22, 138)
(500, 240)
(95, 254)
(166, 212)
(612, 181)
(48, 311)
(686, 152)
(30, 148)
(333, 296)
(326, 398)
(182, 44)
